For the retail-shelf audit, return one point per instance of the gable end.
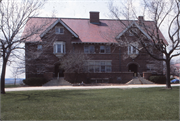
(61, 22)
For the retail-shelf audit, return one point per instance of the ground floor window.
(96, 66)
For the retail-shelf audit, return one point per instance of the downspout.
(119, 59)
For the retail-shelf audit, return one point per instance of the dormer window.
(59, 30)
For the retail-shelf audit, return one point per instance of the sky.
(74, 9)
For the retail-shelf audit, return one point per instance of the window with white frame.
(59, 30)
(132, 50)
(105, 49)
(89, 49)
(59, 47)
(99, 66)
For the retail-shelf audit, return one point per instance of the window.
(89, 49)
(39, 47)
(99, 66)
(132, 50)
(59, 47)
(105, 49)
(59, 30)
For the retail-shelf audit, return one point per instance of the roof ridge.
(87, 19)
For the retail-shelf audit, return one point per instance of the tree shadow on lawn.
(41, 95)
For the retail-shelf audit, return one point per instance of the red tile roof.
(88, 33)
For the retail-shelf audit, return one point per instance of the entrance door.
(133, 68)
(58, 71)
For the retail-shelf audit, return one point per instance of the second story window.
(132, 50)
(59, 30)
(89, 49)
(105, 49)
(59, 47)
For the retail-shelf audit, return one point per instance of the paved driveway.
(85, 87)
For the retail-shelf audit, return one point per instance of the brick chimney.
(94, 17)
(141, 20)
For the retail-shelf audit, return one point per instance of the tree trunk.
(168, 84)
(3, 73)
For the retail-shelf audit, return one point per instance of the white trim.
(133, 23)
(99, 66)
(63, 47)
(59, 21)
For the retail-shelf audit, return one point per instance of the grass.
(100, 104)
(12, 86)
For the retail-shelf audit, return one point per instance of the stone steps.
(139, 80)
(58, 82)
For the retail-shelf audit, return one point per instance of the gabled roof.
(133, 24)
(105, 32)
(54, 24)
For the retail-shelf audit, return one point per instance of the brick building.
(95, 37)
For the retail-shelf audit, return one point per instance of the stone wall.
(114, 77)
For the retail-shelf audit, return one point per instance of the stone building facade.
(98, 38)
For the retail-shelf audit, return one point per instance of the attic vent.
(94, 17)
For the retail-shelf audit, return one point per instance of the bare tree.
(75, 62)
(14, 16)
(166, 12)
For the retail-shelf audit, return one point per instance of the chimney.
(94, 17)
(141, 20)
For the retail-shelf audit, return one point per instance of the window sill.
(104, 53)
(59, 33)
(59, 55)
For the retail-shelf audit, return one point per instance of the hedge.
(34, 81)
(158, 79)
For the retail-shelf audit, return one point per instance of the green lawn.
(100, 104)
(12, 86)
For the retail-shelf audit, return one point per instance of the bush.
(34, 81)
(158, 79)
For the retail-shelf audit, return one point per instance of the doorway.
(58, 71)
(133, 68)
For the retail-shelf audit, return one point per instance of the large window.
(59, 30)
(89, 49)
(132, 50)
(105, 49)
(59, 47)
(99, 66)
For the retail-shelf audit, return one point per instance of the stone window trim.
(105, 49)
(132, 50)
(59, 47)
(99, 66)
(59, 30)
(89, 49)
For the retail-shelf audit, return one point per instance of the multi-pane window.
(99, 66)
(89, 49)
(105, 49)
(59, 47)
(132, 50)
(59, 30)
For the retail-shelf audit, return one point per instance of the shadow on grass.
(41, 95)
